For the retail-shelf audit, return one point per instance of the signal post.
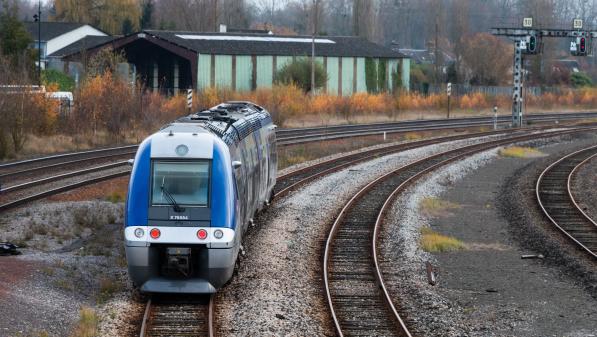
(528, 40)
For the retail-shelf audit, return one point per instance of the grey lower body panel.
(187, 286)
(214, 269)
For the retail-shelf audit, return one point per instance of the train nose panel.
(186, 286)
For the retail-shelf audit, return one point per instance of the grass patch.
(64, 285)
(107, 289)
(520, 152)
(435, 207)
(413, 136)
(433, 242)
(115, 197)
(88, 323)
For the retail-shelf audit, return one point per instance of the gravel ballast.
(586, 197)
(485, 289)
(72, 258)
(279, 289)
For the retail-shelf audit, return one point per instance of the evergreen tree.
(127, 26)
(14, 38)
(147, 14)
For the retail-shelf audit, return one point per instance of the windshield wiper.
(171, 200)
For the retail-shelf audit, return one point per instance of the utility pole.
(37, 18)
(315, 11)
(449, 93)
(216, 16)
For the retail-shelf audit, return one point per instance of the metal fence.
(460, 90)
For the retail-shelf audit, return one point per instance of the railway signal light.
(531, 45)
(580, 47)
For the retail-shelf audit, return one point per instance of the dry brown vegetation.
(109, 111)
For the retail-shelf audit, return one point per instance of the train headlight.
(155, 233)
(182, 150)
(139, 232)
(202, 234)
(219, 234)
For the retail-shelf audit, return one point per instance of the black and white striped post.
(189, 99)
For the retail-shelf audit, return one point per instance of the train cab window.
(186, 182)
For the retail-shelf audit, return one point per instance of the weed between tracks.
(88, 323)
(435, 207)
(434, 242)
(520, 152)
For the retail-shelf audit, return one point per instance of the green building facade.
(345, 75)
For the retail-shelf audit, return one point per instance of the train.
(194, 188)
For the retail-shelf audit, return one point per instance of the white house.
(55, 36)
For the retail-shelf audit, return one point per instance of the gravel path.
(73, 258)
(486, 289)
(278, 289)
(587, 197)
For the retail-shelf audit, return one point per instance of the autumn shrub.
(298, 73)
(106, 102)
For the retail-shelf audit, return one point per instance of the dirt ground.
(489, 282)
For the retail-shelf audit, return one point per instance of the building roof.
(426, 56)
(51, 30)
(260, 44)
(249, 31)
(89, 41)
(572, 66)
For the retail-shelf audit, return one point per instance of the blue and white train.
(194, 188)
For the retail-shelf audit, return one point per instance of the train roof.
(231, 121)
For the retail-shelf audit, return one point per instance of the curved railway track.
(300, 135)
(175, 317)
(286, 183)
(554, 195)
(290, 137)
(290, 181)
(358, 298)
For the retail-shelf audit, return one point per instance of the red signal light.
(202, 234)
(583, 45)
(155, 233)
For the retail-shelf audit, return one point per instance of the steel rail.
(60, 164)
(65, 188)
(146, 322)
(71, 174)
(335, 163)
(285, 136)
(363, 192)
(569, 185)
(64, 155)
(551, 216)
(286, 182)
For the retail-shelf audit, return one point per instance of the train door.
(262, 169)
(247, 182)
(253, 174)
(241, 178)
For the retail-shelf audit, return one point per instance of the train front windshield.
(186, 182)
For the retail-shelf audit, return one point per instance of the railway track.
(286, 137)
(290, 181)
(178, 317)
(300, 135)
(15, 195)
(554, 195)
(358, 298)
(40, 187)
